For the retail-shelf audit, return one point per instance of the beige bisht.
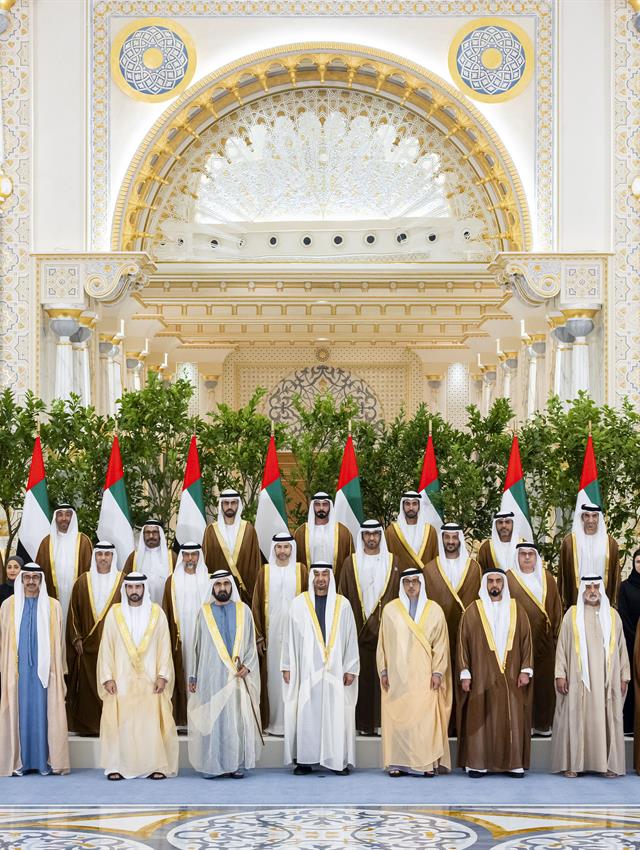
(592, 656)
(49, 631)
(415, 718)
(137, 733)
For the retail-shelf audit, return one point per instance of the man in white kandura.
(223, 711)
(138, 737)
(320, 665)
(152, 558)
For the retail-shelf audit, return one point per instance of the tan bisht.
(569, 570)
(495, 653)
(592, 664)
(57, 733)
(85, 623)
(415, 715)
(538, 596)
(137, 732)
(46, 560)
(369, 587)
(272, 597)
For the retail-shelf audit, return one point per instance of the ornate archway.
(151, 173)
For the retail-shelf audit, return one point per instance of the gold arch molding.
(319, 65)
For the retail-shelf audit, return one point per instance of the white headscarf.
(372, 569)
(154, 563)
(422, 598)
(453, 567)
(102, 583)
(226, 574)
(321, 536)
(413, 533)
(534, 580)
(136, 617)
(229, 532)
(591, 548)
(604, 615)
(504, 552)
(200, 580)
(498, 612)
(64, 556)
(43, 621)
(331, 592)
(283, 537)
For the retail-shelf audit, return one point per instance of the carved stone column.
(116, 369)
(488, 387)
(81, 365)
(579, 324)
(434, 383)
(563, 341)
(135, 367)
(106, 387)
(536, 350)
(64, 322)
(509, 363)
(211, 384)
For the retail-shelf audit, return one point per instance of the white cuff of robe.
(465, 674)
(435, 673)
(527, 670)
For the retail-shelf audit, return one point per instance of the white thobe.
(282, 590)
(156, 568)
(372, 573)
(101, 587)
(321, 544)
(189, 600)
(64, 555)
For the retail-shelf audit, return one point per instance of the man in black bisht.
(629, 610)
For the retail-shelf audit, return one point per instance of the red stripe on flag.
(271, 469)
(349, 466)
(589, 469)
(192, 472)
(429, 466)
(514, 470)
(114, 471)
(36, 471)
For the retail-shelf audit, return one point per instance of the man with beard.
(498, 551)
(93, 595)
(231, 544)
(535, 589)
(495, 661)
(369, 580)
(592, 675)
(63, 555)
(411, 538)
(224, 726)
(322, 538)
(588, 550)
(33, 721)
(135, 681)
(185, 592)
(153, 558)
(629, 610)
(320, 667)
(453, 580)
(279, 582)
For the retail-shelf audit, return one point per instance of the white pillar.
(562, 365)
(81, 373)
(489, 382)
(434, 383)
(116, 383)
(538, 346)
(580, 324)
(134, 372)
(105, 381)
(64, 323)
(211, 384)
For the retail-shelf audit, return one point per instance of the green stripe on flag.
(195, 491)
(275, 492)
(39, 490)
(593, 492)
(519, 493)
(353, 495)
(119, 493)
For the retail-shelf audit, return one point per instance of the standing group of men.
(404, 634)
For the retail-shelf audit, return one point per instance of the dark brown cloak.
(398, 545)
(636, 686)
(84, 706)
(545, 619)
(368, 707)
(487, 558)
(342, 546)
(494, 718)
(244, 562)
(260, 613)
(568, 573)
(179, 698)
(44, 559)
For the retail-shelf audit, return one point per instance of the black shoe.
(515, 774)
(475, 774)
(302, 770)
(344, 772)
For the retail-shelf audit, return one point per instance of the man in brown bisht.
(322, 538)
(186, 590)
(279, 582)
(452, 580)
(535, 589)
(369, 579)
(153, 558)
(495, 660)
(93, 595)
(588, 551)
(63, 555)
(231, 543)
(499, 549)
(592, 675)
(411, 538)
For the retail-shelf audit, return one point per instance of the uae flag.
(191, 523)
(271, 516)
(514, 497)
(114, 524)
(589, 486)
(348, 503)
(36, 512)
(429, 485)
